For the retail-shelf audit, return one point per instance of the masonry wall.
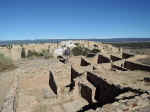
(105, 92)
(135, 66)
(126, 55)
(114, 67)
(52, 83)
(114, 58)
(102, 59)
(84, 62)
(13, 53)
(60, 78)
(74, 74)
(86, 92)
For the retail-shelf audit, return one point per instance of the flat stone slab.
(57, 108)
(48, 93)
(73, 106)
(145, 109)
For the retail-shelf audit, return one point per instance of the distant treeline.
(113, 40)
(132, 45)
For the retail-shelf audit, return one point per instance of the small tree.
(85, 51)
(76, 51)
(95, 51)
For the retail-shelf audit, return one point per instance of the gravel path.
(6, 79)
(24, 68)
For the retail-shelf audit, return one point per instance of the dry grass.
(6, 63)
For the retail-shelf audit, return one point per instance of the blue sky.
(41, 19)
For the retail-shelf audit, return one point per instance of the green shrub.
(46, 54)
(76, 51)
(85, 51)
(33, 53)
(95, 51)
(43, 53)
(77, 44)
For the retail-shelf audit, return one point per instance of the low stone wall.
(60, 78)
(13, 53)
(86, 92)
(10, 100)
(84, 88)
(126, 55)
(84, 62)
(119, 63)
(102, 59)
(114, 58)
(74, 74)
(136, 66)
(105, 92)
(114, 67)
(106, 66)
(52, 83)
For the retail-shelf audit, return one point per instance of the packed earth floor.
(34, 94)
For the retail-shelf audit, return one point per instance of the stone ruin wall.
(59, 78)
(13, 53)
(80, 83)
(88, 83)
(92, 86)
(136, 66)
(40, 47)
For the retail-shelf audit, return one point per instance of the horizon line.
(94, 38)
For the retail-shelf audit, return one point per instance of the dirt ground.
(35, 95)
(6, 79)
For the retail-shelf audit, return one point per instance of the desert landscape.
(74, 55)
(91, 77)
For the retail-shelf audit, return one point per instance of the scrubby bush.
(77, 44)
(43, 53)
(76, 51)
(95, 51)
(85, 51)
(5, 63)
(33, 53)
(46, 54)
